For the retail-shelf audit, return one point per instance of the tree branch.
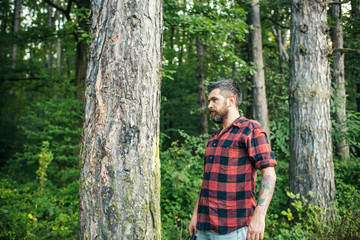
(65, 12)
(274, 22)
(345, 50)
(339, 3)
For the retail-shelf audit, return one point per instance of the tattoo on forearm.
(266, 191)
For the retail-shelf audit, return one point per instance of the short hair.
(228, 86)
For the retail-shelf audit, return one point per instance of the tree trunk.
(338, 79)
(58, 41)
(82, 49)
(283, 57)
(355, 14)
(200, 75)
(259, 105)
(49, 51)
(15, 31)
(120, 173)
(311, 164)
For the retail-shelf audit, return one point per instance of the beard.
(219, 116)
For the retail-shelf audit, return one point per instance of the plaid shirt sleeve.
(258, 147)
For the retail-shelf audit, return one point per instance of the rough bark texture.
(311, 162)
(200, 75)
(120, 174)
(338, 79)
(259, 105)
(15, 30)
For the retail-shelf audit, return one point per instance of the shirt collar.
(238, 122)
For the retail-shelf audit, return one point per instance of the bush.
(28, 213)
(181, 177)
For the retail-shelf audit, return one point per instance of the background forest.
(43, 54)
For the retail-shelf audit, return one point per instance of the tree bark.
(338, 79)
(280, 40)
(355, 14)
(200, 75)
(15, 31)
(50, 47)
(259, 105)
(311, 160)
(58, 41)
(120, 173)
(82, 49)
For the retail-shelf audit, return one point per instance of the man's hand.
(192, 225)
(256, 227)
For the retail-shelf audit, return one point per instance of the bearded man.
(226, 207)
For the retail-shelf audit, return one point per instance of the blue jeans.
(239, 234)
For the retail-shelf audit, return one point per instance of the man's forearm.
(196, 207)
(267, 187)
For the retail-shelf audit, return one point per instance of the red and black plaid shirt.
(227, 196)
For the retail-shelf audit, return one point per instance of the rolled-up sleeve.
(259, 149)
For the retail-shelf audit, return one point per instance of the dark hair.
(227, 89)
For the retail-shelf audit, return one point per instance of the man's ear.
(232, 100)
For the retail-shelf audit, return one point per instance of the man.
(226, 207)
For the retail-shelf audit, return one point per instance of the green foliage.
(280, 137)
(181, 177)
(57, 120)
(26, 213)
(220, 26)
(50, 125)
(45, 159)
(353, 132)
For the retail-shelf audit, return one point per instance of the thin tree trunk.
(82, 49)
(280, 40)
(15, 31)
(49, 51)
(181, 48)
(311, 161)
(338, 78)
(58, 41)
(355, 14)
(200, 76)
(259, 105)
(120, 174)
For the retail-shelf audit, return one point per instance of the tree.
(50, 56)
(311, 165)
(280, 38)
(80, 33)
(120, 173)
(355, 16)
(58, 40)
(200, 75)
(15, 31)
(259, 105)
(338, 79)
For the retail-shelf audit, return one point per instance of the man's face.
(217, 106)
